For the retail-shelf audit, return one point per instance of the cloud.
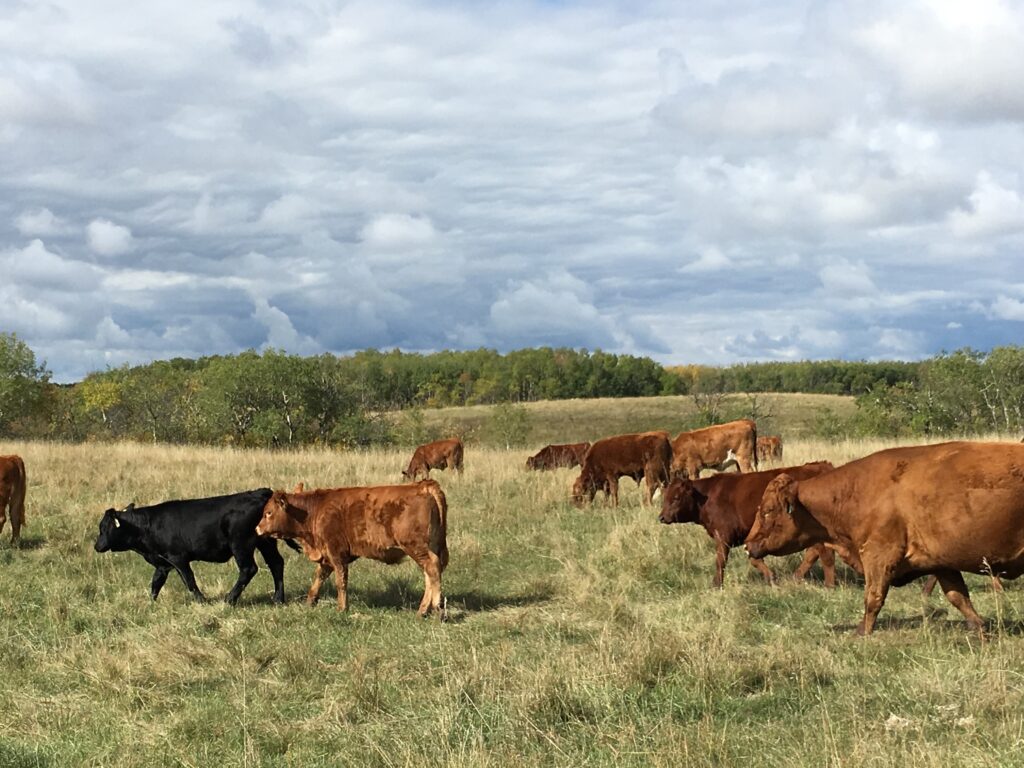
(1007, 308)
(772, 182)
(108, 239)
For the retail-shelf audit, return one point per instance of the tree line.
(272, 398)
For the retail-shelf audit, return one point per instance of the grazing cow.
(717, 447)
(174, 533)
(902, 513)
(440, 454)
(555, 456)
(12, 494)
(769, 448)
(387, 522)
(726, 505)
(646, 456)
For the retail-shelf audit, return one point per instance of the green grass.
(568, 421)
(577, 637)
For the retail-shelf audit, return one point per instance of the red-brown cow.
(646, 456)
(338, 525)
(726, 505)
(717, 447)
(440, 454)
(769, 448)
(555, 456)
(902, 513)
(12, 494)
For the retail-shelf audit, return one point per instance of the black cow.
(174, 533)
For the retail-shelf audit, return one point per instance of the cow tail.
(18, 497)
(753, 459)
(434, 489)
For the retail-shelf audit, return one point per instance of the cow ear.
(129, 508)
(299, 488)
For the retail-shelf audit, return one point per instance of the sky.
(705, 182)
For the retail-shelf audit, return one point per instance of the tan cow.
(440, 454)
(338, 525)
(718, 447)
(12, 494)
(902, 513)
(645, 456)
(769, 448)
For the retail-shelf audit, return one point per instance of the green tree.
(510, 422)
(23, 381)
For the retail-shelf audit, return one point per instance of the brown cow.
(12, 494)
(646, 456)
(387, 522)
(554, 456)
(902, 513)
(717, 447)
(769, 448)
(726, 505)
(440, 454)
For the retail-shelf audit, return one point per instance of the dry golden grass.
(578, 637)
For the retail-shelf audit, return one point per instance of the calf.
(12, 494)
(338, 525)
(902, 513)
(726, 505)
(646, 456)
(440, 454)
(174, 533)
(554, 456)
(769, 448)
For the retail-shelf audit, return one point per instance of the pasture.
(576, 637)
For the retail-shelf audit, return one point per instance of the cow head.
(115, 533)
(282, 518)
(531, 463)
(681, 502)
(583, 489)
(782, 523)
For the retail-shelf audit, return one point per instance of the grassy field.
(577, 637)
(569, 421)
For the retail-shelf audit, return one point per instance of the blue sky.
(698, 182)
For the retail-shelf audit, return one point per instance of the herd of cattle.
(894, 516)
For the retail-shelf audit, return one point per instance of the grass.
(577, 637)
(569, 421)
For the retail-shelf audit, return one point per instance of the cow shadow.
(29, 543)
(401, 596)
(939, 619)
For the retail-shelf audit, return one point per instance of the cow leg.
(877, 578)
(811, 556)
(323, 570)
(184, 569)
(759, 564)
(341, 580)
(721, 558)
(955, 589)
(247, 568)
(17, 512)
(272, 557)
(5, 499)
(929, 585)
(160, 572)
(613, 489)
(431, 565)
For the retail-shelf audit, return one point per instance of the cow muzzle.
(754, 549)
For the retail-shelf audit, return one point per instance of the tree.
(511, 423)
(22, 380)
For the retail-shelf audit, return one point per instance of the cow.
(555, 456)
(726, 505)
(172, 534)
(902, 513)
(12, 494)
(387, 522)
(769, 448)
(440, 454)
(645, 456)
(717, 447)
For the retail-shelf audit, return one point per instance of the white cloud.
(398, 230)
(109, 239)
(994, 210)
(39, 222)
(1006, 308)
(843, 278)
(710, 260)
